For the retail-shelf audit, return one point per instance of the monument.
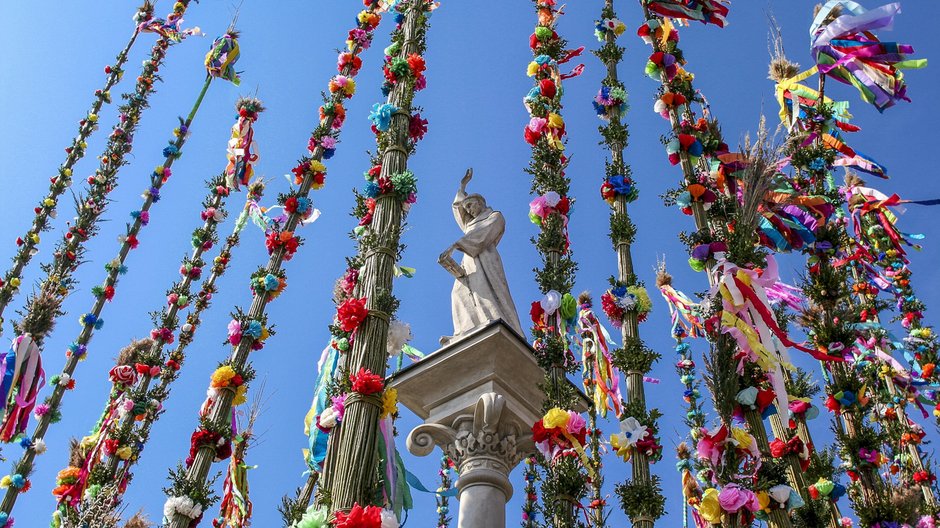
(479, 394)
(481, 292)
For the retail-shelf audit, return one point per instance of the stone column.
(486, 446)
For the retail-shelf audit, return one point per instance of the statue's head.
(473, 204)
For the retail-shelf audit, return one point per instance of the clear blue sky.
(51, 57)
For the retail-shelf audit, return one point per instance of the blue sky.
(52, 54)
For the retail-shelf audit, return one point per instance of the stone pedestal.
(479, 397)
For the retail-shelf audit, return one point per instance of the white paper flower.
(182, 505)
(187, 328)
(39, 446)
(631, 432)
(780, 493)
(389, 520)
(551, 302)
(64, 379)
(329, 418)
(551, 198)
(399, 333)
(627, 302)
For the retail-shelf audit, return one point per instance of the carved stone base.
(479, 397)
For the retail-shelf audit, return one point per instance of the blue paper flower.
(253, 330)
(619, 291)
(542, 60)
(270, 282)
(817, 164)
(170, 151)
(620, 184)
(303, 204)
(371, 189)
(18, 481)
(381, 115)
(77, 350)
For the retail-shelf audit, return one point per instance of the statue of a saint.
(481, 293)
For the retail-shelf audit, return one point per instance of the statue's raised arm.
(481, 293)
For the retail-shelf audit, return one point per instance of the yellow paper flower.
(241, 395)
(622, 449)
(222, 376)
(124, 452)
(555, 418)
(5, 482)
(89, 441)
(764, 500)
(15, 282)
(34, 237)
(555, 121)
(67, 172)
(48, 202)
(742, 439)
(93, 118)
(265, 333)
(532, 69)
(389, 402)
(710, 509)
(316, 166)
(363, 17)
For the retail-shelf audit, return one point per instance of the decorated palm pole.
(224, 52)
(561, 434)
(189, 494)
(365, 317)
(112, 441)
(627, 302)
(29, 242)
(67, 256)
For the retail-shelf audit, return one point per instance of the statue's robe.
(483, 294)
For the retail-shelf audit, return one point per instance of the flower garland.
(27, 245)
(247, 332)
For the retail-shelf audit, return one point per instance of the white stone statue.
(481, 293)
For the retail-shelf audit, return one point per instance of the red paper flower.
(351, 313)
(365, 382)
(547, 88)
(123, 374)
(417, 64)
(536, 312)
(359, 517)
(417, 128)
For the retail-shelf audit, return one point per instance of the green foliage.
(635, 356)
(642, 499)
(291, 508)
(622, 230)
(201, 493)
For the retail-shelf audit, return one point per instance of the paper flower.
(399, 334)
(352, 313)
(381, 115)
(359, 517)
(710, 507)
(365, 382)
